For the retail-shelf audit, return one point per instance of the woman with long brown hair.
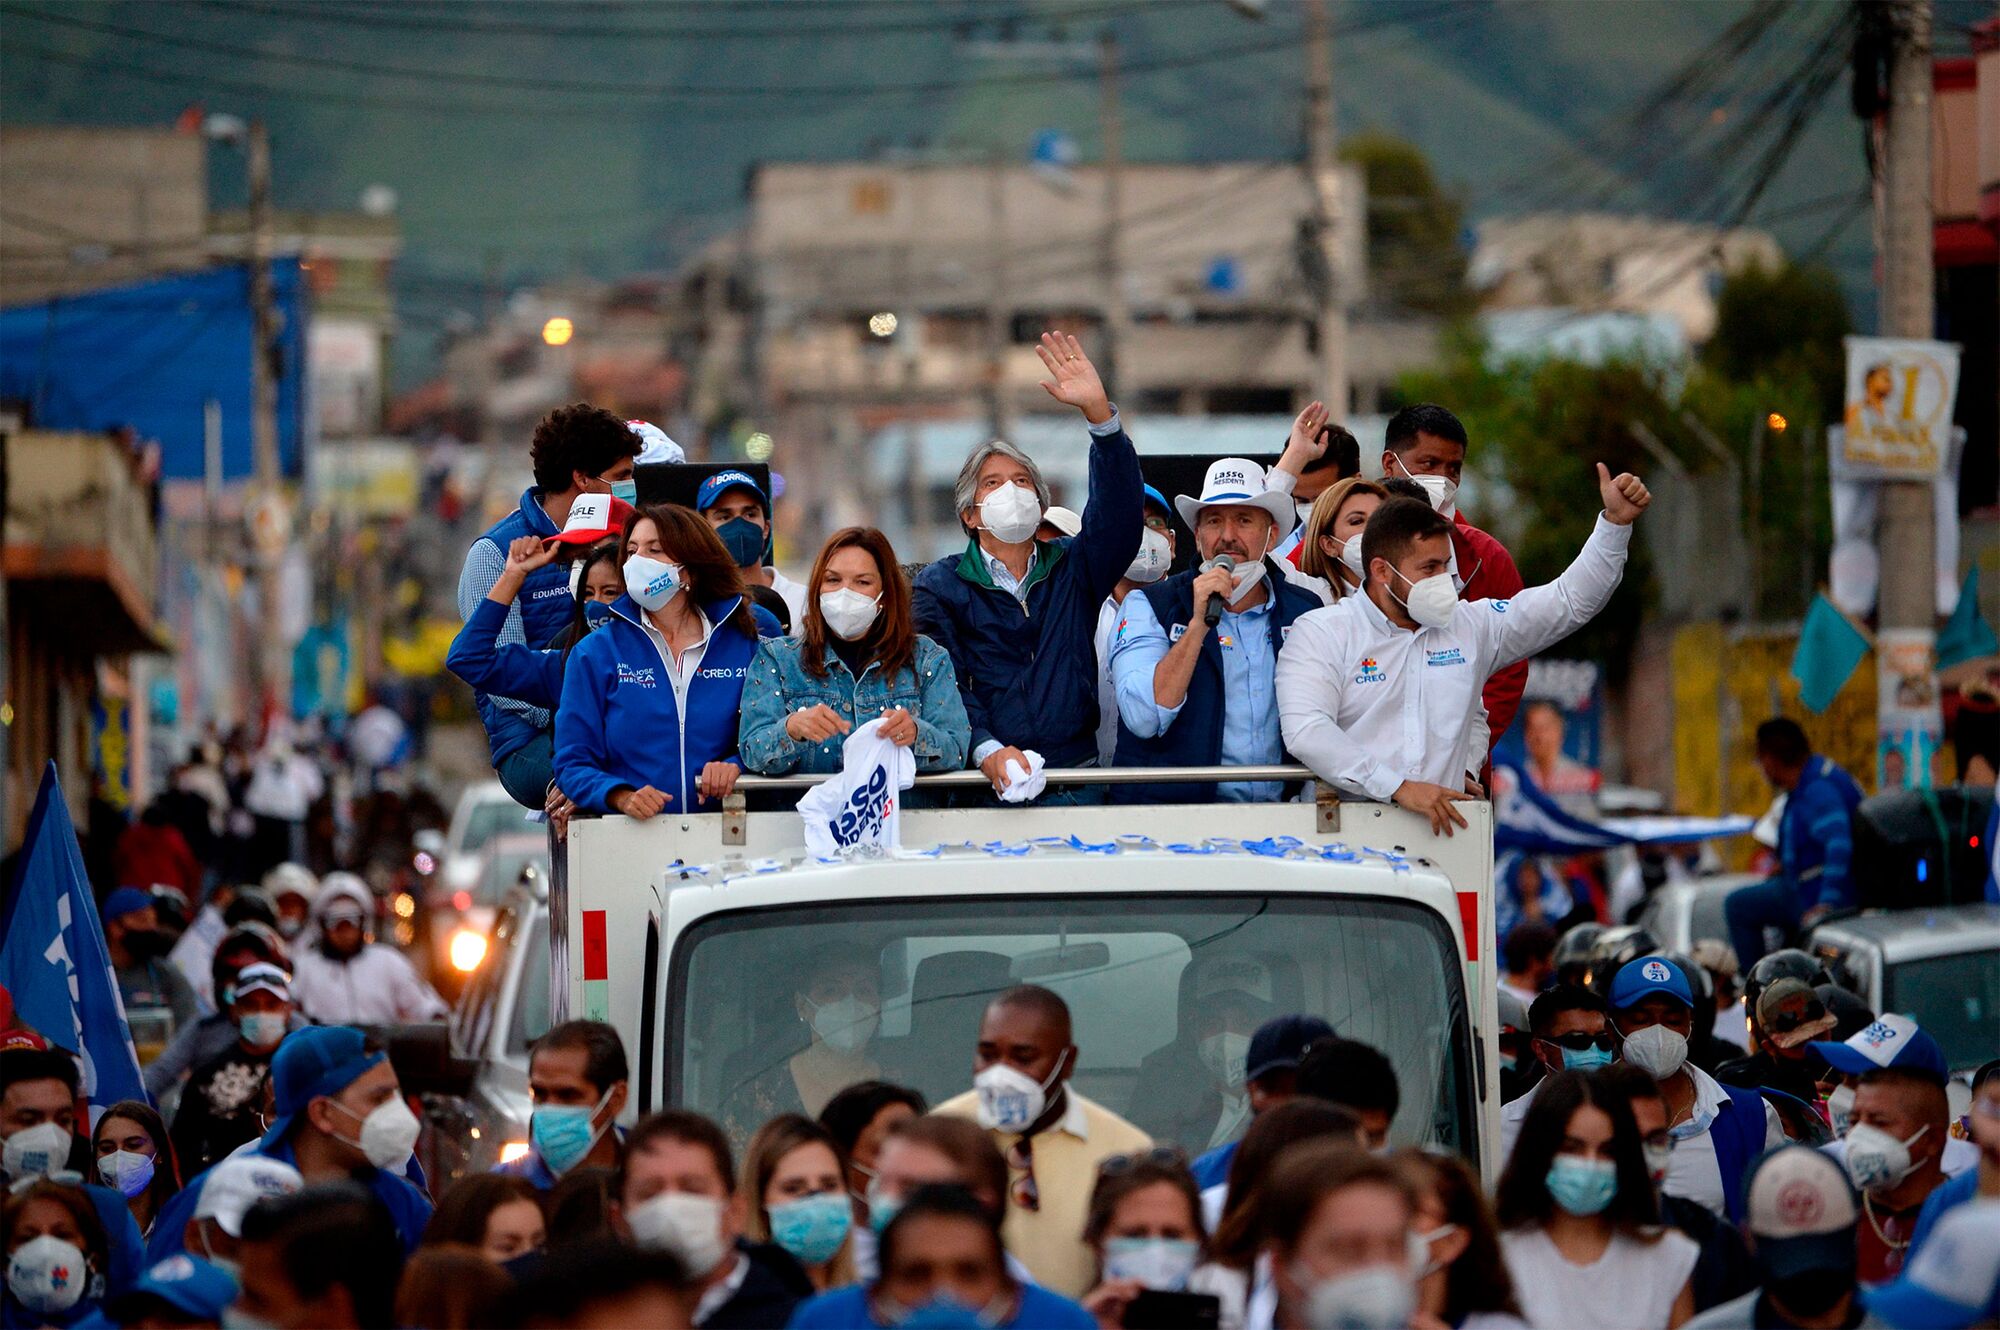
(647, 721)
(857, 658)
(1330, 546)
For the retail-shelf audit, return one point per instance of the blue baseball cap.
(311, 1063)
(1889, 1041)
(124, 901)
(194, 1287)
(1953, 1280)
(1281, 1042)
(1649, 976)
(1154, 496)
(712, 488)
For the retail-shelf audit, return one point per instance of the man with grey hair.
(1017, 615)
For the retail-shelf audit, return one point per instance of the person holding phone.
(1146, 1232)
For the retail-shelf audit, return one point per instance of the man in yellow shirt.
(1053, 1138)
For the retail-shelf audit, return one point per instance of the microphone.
(1212, 615)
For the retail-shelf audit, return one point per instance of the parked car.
(1684, 912)
(1940, 967)
(503, 1010)
(484, 811)
(462, 918)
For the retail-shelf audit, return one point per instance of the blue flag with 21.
(53, 962)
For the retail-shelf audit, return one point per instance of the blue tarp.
(150, 354)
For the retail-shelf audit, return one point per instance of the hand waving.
(1076, 382)
(1624, 498)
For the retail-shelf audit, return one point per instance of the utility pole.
(1323, 171)
(999, 302)
(1117, 318)
(1908, 554)
(274, 661)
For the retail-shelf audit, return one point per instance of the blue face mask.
(595, 615)
(562, 1133)
(625, 490)
(813, 1228)
(1585, 1059)
(1582, 1186)
(744, 540)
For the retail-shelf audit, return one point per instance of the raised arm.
(1541, 616)
(1114, 515)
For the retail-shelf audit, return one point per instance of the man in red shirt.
(1427, 444)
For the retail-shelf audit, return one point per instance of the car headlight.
(467, 950)
(513, 1150)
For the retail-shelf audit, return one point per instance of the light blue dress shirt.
(1250, 699)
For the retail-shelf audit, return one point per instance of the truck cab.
(712, 942)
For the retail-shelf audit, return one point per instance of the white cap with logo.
(230, 1188)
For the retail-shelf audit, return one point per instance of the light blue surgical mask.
(626, 490)
(882, 1207)
(563, 1134)
(1585, 1059)
(1156, 1263)
(812, 1228)
(1582, 1186)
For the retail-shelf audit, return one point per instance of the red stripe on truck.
(595, 966)
(1468, 915)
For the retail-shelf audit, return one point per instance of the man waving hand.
(1378, 693)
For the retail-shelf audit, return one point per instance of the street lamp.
(558, 330)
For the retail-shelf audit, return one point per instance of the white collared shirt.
(679, 673)
(1692, 1170)
(1368, 705)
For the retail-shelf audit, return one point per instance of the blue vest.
(1738, 1136)
(545, 604)
(1195, 737)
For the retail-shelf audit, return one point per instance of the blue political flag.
(1830, 649)
(1966, 635)
(53, 962)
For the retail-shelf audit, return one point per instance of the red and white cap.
(593, 517)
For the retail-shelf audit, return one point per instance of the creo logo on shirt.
(636, 676)
(1371, 672)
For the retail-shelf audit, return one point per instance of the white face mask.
(847, 612)
(126, 1171)
(1350, 555)
(1011, 513)
(650, 582)
(1443, 491)
(687, 1226)
(1157, 1263)
(1247, 576)
(47, 1275)
(1223, 1055)
(1659, 1158)
(1150, 564)
(37, 1151)
(388, 1133)
(1877, 1161)
(1378, 1297)
(1422, 1258)
(846, 1026)
(1840, 1108)
(1010, 1100)
(1432, 601)
(1657, 1051)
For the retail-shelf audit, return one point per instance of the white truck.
(703, 938)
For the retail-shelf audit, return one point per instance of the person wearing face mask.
(1148, 566)
(214, 1232)
(1270, 1078)
(1052, 1137)
(39, 1113)
(927, 1151)
(1981, 1182)
(220, 1108)
(248, 943)
(1380, 693)
(577, 450)
(57, 1257)
(1580, 1227)
(1196, 1088)
(1893, 1153)
(1717, 1129)
(339, 1115)
(859, 1119)
(1427, 444)
(677, 1193)
(838, 1003)
(138, 948)
(1330, 548)
(1570, 1030)
(1145, 1229)
(942, 1265)
(1315, 460)
(795, 1186)
(856, 658)
(1801, 1217)
(1015, 614)
(1463, 1282)
(344, 978)
(578, 1081)
(1194, 657)
(1895, 1042)
(1337, 1233)
(650, 701)
(735, 505)
(292, 889)
(1789, 1017)
(135, 1157)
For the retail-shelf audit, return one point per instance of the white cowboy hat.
(1238, 482)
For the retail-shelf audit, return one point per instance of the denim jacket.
(779, 685)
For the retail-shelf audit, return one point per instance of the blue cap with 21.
(1649, 976)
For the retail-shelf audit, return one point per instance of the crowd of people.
(637, 658)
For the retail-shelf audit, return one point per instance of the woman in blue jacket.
(648, 712)
(857, 657)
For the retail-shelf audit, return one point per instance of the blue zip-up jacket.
(507, 668)
(1195, 737)
(779, 685)
(1029, 675)
(616, 684)
(545, 603)
(1816, 836)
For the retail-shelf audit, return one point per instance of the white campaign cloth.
(1368, 705)
(860, 803)
(1023, 785)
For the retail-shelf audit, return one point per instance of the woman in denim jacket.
(856, 657)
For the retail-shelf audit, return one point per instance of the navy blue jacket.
(545, 603)
(1816, 836)
(1195, 737)
(1029, 676)
(618, 724)
(408, 1207)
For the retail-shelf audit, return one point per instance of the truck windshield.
(1155, 989)
(1956, 998)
